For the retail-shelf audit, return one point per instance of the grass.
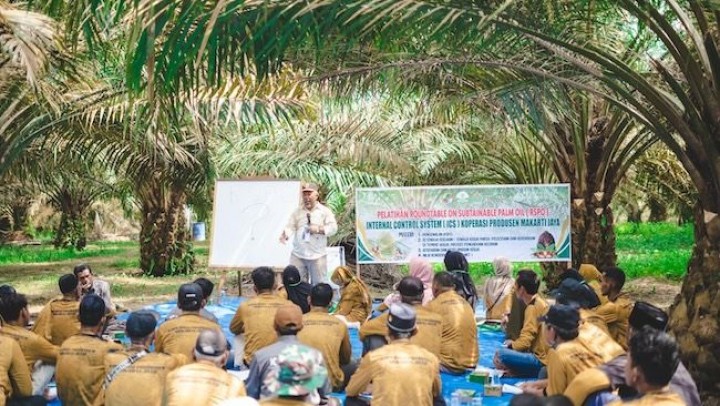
(33, 254)
(659, 250)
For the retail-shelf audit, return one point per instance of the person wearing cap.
(89, 284)
(328, 334)
(207, 288)
(40, 354)
(310, 225)
(616, 311)
(137, 367)
(373, 332)
(80, 365)
(609, 377)
(526, 355)
(401, 373)
(288, 323)
(254, 317)
(458, 344)
(295, 377)
(58, 320)
(593, 277)
(203, 382)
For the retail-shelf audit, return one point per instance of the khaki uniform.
(501, 308)
(200, 383)
(459, 345)
(591, 317)
(329, 335)
(58, 320)
(600, 341)
(284, 402)
(351, 303)
(401, 374)
(429, 325)
(81, 368)
(255, 318)
(14, 374)
(34, 347)
(178, 335)
(616, 315)
(585, 384)
(531, 336)
(663, 397)
(148, 373)
(592, 276)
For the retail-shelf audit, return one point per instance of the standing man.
(310, 225)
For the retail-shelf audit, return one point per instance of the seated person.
(616, 311)
(295, 289)
(178, 335)
(40, 354)
(592, 277)
(456, 263)
(254, 319)
(373, 332)
(498, 290)
(295, 378)
(355, 301)
(525, 356)
(458, 345)
(16, 386)
(581, 295)
(329, 335)
(81, 360)
(207, 288)
(88, 284)
(401, 373)
(58, 320)
(420, 268)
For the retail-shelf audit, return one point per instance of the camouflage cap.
(297, 371)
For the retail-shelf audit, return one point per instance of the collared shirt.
(664, 397)
(34, 347)
(305, 245)
(570, 358)
(141, 383)
(330, 336)
(531, 338)
(178, 335)
(255, 318)
(589, 316)
(585, 384)
(81, 368)
(200, 384)
(284, 402)
(459, 345)
(353, 304)
(401, 374)
(616, 315)
(14, 374)
(203, 313)
(58, 320)
(102, 289)
(429, 326)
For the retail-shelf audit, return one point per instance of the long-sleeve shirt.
(34, 347)
(330, 336)
(429, 325)
(459, 344)
(178, 335)
(255, 318)
(531, 337)
(101, 288)
(305, 245)
(14, 374)
(664, 397)
(353, 304)
(58, 320)
(200, 384)
(616, 315)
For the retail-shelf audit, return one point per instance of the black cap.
(410, 286)
(140, 324)
(645, 314)
(562, 316)
(573, 291)
(401, 318)
(190, 296)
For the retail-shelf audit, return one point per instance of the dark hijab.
(457, 265)
(297, 290)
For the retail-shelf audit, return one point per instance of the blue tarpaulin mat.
(489, 340)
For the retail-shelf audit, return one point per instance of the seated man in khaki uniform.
(137, 367)
(58, 320)
(254, 318)
(39, 353)
(616, 311)
(207, 288)
(203, 382)
(401, 373)
(178, 335)
(295, 377)
(429, 324)
(459, 345)
(80, 365)
(15, 383)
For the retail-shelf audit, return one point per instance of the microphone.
(308, 217)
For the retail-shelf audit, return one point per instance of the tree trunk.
(164, 245)
(73, 207)
(695, 314)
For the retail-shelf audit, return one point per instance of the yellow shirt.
(592, 276)
(531, 337)
(329, 335)
(566, 361)
(178, 335)
(34, 347)
(616, 315)
(284, 402)
(459, 345)
(142, 382)
(255, 318)
(58, 320)
(429, 325)
(600, 342)
(81, 368)
(663, 397)
(585, 384)
(352, 304)
(401, 374)
(200, 384)
(591, 317)
(14, 374)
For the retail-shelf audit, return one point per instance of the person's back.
(34, 347)
(14, 374)
(58, 320)
(355, 302)
(600, 341)
(429, 325)
(207, 287)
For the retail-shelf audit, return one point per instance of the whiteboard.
(248, 218)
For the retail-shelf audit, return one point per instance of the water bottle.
(477, 401)
(223, 293)
(455, 399)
